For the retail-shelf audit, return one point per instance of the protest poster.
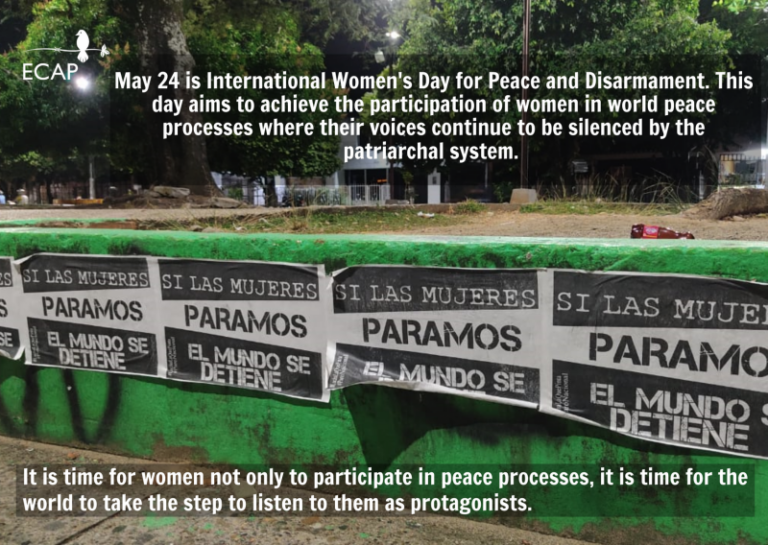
(245, 324)
(89, 312)
(10, 310)
(467, 332)
(669, 358)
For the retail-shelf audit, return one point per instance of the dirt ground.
(490, 223)
(515, 224)
(150, 214)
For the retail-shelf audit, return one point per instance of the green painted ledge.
(742, 260)
(366, 424)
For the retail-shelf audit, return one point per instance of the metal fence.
(368, 194)
(313, 195)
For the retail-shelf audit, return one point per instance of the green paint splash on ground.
(159, 522)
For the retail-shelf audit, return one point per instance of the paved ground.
(153, 530)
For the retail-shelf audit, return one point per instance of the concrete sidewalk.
(119, 529)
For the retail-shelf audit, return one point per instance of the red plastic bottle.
(654, 231)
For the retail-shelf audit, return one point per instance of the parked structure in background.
(365, 181)
(748, 168)
(296, 192)
(359, 182)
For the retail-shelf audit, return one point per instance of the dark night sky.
(12, 32)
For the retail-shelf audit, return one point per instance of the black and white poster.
(245, 324)
(676, 359)
(468, 332)
(96, 313)
(10, 310)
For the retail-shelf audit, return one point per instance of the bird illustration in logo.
(82, 44)
(83, 41)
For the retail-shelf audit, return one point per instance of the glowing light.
(82, 83)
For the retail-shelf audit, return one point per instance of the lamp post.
(524, 136)
(91, 179)
(83, 84)
(393, 35)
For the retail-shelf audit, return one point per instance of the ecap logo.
(43, 71)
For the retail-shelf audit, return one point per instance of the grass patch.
(582, 207)
(309, 222)
(469, 207)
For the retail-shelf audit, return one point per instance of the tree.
(164, 55)
(248, 49)
(748, 53)
(151, 36)
(638, 37)
(163, 48)
(47, 123)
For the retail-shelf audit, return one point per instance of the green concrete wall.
(366, 424)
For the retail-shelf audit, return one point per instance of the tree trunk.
(178, 161)
(730, 202)
(48, 191)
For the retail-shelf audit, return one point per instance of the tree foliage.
(48, 123)
(249, 49)
(644, 37)
(58, 121)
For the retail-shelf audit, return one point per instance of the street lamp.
(82, 83)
